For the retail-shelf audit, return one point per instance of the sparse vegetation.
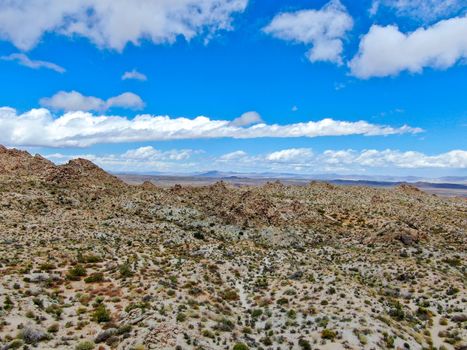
(95, 263)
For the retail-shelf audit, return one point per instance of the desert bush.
(225, 325)
(53, 328)
(101, 314)
(54, 310)
(255, 313)
(304, 344)
(198, 235)
(328, 334)
(85, 345)
(208, 334)
(230, 295)
(125, 270)
(47, 267)
(181, 317)
(94, 277)
(75, 273)
(240, 346)
(88, 259)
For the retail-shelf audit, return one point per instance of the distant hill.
(81, 172)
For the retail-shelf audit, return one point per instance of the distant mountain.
(215, 174)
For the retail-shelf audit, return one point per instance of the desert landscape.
(90, 262)
(233, 175)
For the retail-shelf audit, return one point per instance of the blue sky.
(398, 67)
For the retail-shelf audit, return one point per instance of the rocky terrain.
(89, 262)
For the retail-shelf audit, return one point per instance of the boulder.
(103, 336)
(33, 335)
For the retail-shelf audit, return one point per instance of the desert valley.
(90, 262)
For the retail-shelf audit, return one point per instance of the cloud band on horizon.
(38, 127)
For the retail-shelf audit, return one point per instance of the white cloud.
(386, 51)
(350, 160)
(140, 159)
(75, 101)
(397, 159)
(247, 118)
(290, 155)
(135, 75)
(150, 153)
(324, 29)
(424, 10)
(236, 155)
(125, 100)
(38, 127)
(303, 160)
(115, 23)
(24, 60)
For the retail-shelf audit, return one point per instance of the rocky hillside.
(16, 163)
(78, 172)
(87, 262)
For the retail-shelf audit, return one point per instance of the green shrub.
(85, 345)
(455, 261)
(142, 305)
(126, 328)
(101, 314)
(94, 277)
(328, 334)
(198, 235)
(53, 328)
(230, 295)
(396, 312)
(54, 310)
(304, 344)
(283, 301)
(15, 344)
(208, 334)
(240, 346)
(75, 273)
(8, 303)
(47, 267)
(88, 259)
(125, 270)
(256, 313)
(443, 321)
(225, 325)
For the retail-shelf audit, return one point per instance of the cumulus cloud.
(141, 159)
(304, 160)
(394, 158)
(247, 118)
(386, 51)
(115, 23)
(324, 29)
(422, 10)
(348, 160)
(38, 127)
(75, 101)
(134, 75)
(24, 60)
(125, 100)
(290, 155)
(150, 153)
